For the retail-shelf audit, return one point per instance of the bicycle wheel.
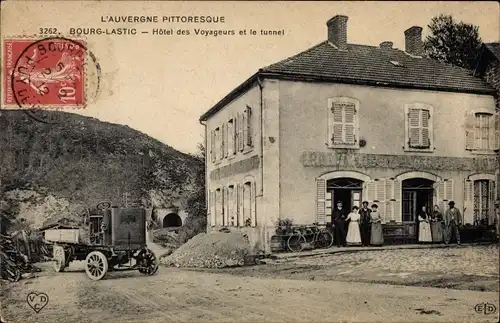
(324, 239)
(296, 243)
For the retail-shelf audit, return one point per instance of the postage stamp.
(48, 73)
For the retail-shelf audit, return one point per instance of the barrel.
(277, 243)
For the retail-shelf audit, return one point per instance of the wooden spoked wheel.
(149, 263)
(96, 265)
(59, 258)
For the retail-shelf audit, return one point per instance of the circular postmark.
(54, 73)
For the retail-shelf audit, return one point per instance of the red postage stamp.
(44, 73)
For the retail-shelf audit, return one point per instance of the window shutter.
(212, 145)
(492, 198)
(224, 206)
(414, 127)
(320, 201)
(235, 136)
(212, 208)
(240, 132)
(338, 124)
(380, 196)
(468, 201)
(249, 126)
(495, 131)
(230, 138)
(397, 214)
(470, 131)
(252, 206)
(425, 131)
(241, 220)
(369, 192)
(389, 199)
(328, 206)
(222, 143)
(349, 124)
(448, 190)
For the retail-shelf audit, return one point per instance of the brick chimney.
(413, 41)
(337, 31)
(386, 44)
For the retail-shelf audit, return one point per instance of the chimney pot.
(413, 41)
(337, 31)
(386, 44)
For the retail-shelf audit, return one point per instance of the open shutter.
(224, 207)
(439, 188)
(253, 206)
(492, 198)
(320, 201)
(212, 208)
(240, 132)
(389, 198)
(425, 140)
(448, 190)
(495, 131)
(349, 124)
(249, 127)
(380, 196)
(328, 206)
(397, 213)
(235, 136)
(470, 131)
(414, 129)
(241, 206)
(468, 202)
(338, 124)
(222, 141)
(369, 191)
(212, 145)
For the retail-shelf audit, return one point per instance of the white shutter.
(441, 195)
(468, 201)
(328, 206)
(389, 199)
(425, 139)
(414, 127)
(222, 152)
(239, 207)
(337, 124)
(397, 213)
(248, 127)
(369, 192)
(470, 131)
(253, 206)
(241, 130)
(380, 196)
(320, 201)
(235, 136)
(449, 190)
(349, 123)
(224, 207)
(212, 145)
(495, 131)
(212, 208)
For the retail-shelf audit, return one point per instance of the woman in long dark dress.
(437, 225)
(377, 236)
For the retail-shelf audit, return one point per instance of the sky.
(162, 84)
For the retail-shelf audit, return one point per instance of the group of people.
(365, 225)
(434, 227)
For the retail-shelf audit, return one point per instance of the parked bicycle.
(304, 235)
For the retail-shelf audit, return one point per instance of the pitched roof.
(494, 48)
(368, 65)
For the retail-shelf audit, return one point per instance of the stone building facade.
(350, 122)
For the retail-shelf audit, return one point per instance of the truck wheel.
(96, 265)
(59, 258)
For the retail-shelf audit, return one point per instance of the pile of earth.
(211, 250)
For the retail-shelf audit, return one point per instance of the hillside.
(81, 161)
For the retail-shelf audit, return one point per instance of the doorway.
(172, 220)
(417, 192)
(347, 190)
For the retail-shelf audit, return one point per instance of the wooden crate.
(63, 235)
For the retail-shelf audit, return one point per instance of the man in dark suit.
(338, 220)
(364, 224)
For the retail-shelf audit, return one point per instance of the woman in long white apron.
(424, 227)
(353, 235)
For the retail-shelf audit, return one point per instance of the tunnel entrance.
(172, 220)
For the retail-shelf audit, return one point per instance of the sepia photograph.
(249, 161)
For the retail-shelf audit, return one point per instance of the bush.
(193, 226)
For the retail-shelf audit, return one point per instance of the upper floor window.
(248, 127)
(231, 138)
(342, 123)
(418, 127)
(482, 131)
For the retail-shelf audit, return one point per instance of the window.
(218, 207)
(482, 131)
(342, 123)
(249, 217)
(418, 127)
(481, 201)
(217, 143)
(231, 203)
(212, 146)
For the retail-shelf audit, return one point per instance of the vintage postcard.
(248, 161)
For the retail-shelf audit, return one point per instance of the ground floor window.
(417, 193)
(481, 201)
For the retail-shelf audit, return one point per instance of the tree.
(452, 42)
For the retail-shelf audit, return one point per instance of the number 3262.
(47, 31)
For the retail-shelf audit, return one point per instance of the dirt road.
(182, 296)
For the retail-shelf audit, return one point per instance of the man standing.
(452, 221)
(365, 226)
(338, 220)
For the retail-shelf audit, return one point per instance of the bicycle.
(301, 236)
